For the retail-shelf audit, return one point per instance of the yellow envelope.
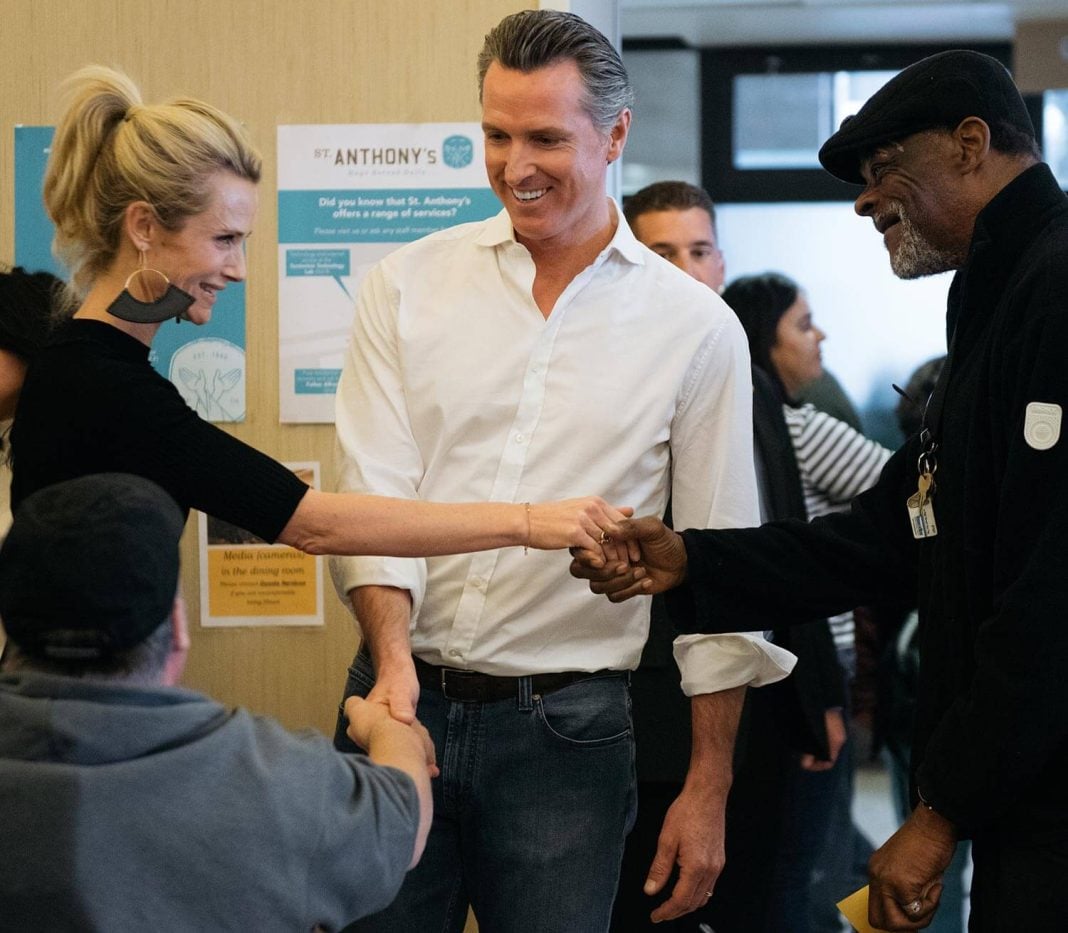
(855, 909)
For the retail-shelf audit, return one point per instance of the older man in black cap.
(129, 804)
(972, 514)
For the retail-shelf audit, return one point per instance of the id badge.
(922, 517)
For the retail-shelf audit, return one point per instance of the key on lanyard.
(921, 508)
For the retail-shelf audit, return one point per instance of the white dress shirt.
(456, 388)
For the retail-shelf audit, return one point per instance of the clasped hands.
(369, 721)
(638, 557)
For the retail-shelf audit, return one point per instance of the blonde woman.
(152, 206)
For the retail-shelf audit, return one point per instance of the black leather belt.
(474, 687)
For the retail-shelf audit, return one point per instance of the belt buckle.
(460, 697)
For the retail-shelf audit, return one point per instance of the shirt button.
(455, 653)
(478, 583)
(520, 438)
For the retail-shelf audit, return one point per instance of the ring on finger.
(604, 539)
(913, 907)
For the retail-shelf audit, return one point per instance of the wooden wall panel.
(269, 62)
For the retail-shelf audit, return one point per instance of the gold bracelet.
(526, 546)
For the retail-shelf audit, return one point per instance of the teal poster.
(349, 194)
(206, 363)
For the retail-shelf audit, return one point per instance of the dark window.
(766, 112)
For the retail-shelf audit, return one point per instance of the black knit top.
(92, 403)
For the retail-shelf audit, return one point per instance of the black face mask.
(173, 303)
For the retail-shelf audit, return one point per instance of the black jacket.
(991, 745)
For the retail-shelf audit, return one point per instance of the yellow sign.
(246, 581)
(261, 581)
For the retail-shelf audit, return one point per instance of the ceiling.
(774, 22)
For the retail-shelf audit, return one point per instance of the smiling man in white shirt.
(542, 352)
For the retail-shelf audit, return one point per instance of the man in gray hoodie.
(129, 803)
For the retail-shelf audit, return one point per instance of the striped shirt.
(836, 463)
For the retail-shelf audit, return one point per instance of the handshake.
(636, 557)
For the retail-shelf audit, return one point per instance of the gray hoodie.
(133, 808)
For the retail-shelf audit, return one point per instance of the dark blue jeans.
(535, 798)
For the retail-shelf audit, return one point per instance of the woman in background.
(26, 304)
(820, 845)
(27, 300)
(152, 206)
(836, 462)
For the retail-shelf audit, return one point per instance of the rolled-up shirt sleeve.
(719, 662)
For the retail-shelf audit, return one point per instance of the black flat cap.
(90, 566)
(935, 93)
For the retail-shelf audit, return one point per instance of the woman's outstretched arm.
(348, 523)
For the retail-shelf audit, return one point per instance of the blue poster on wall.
(206, 363)
(348, 195)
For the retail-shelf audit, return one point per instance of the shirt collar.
(498, 231)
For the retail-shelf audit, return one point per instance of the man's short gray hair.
(534, 39)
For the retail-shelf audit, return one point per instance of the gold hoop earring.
(172, 303)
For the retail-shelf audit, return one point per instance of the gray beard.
(915, 256)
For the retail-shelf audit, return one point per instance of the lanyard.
(931, 426)
(919, 505)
